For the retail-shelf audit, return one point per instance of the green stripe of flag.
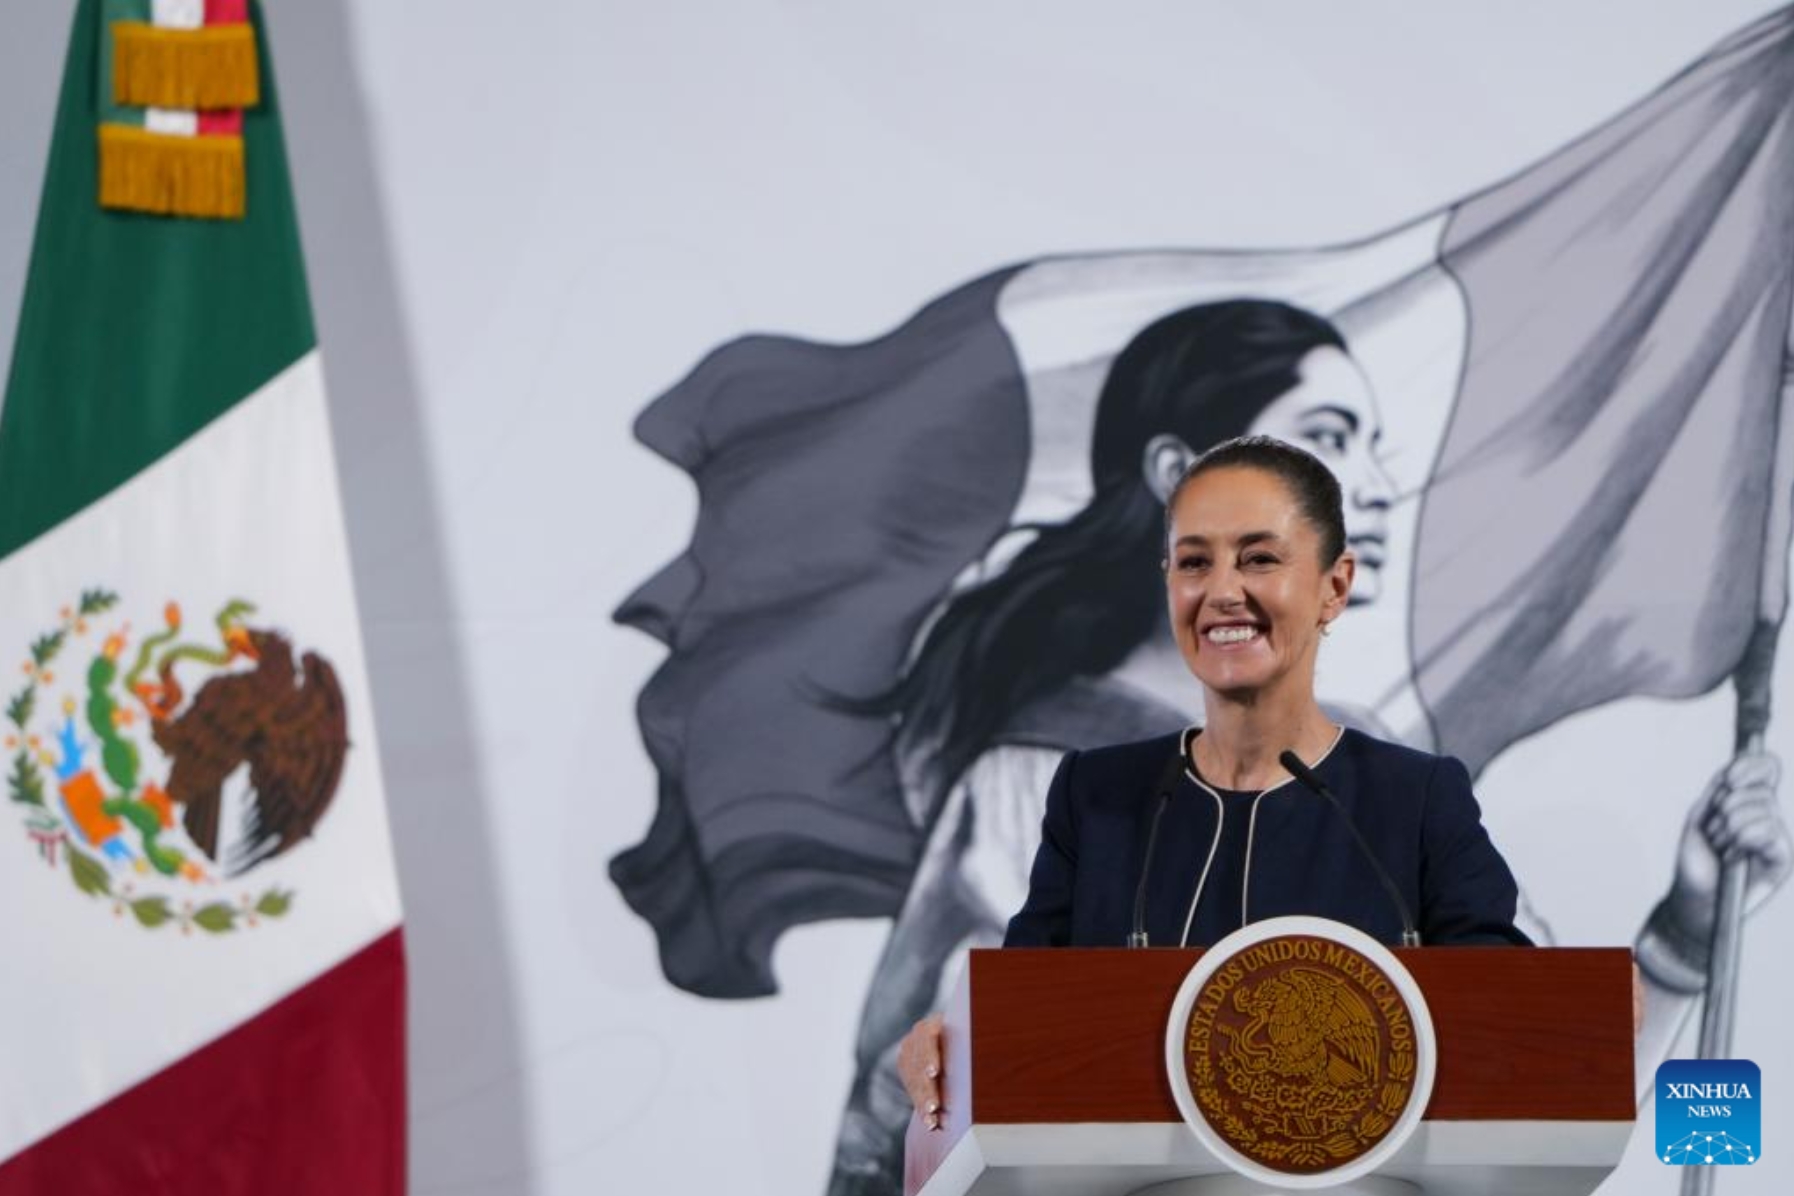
(135, 330)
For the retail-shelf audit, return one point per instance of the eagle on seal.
(1308, 1025)
(287, 723)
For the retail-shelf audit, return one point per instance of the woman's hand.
(1738, 817)
(919, 1066)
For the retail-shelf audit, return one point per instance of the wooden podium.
(1056, 1079)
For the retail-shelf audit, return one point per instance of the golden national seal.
(1300, 1053)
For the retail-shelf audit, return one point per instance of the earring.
(1326, 629)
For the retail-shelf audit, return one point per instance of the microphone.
(1292, 763)
(1174, 771)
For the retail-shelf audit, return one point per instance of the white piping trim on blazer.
(1220, 816)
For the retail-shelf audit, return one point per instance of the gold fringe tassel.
(171, 175)
(210, 67)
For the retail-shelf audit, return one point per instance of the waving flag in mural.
(926, 565)
(1630, 304)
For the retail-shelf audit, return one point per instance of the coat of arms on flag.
(164, 767)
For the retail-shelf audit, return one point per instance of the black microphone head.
(1293, 765)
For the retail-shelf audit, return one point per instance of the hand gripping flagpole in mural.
(1753, 682)
(1725, 944)
(1533, 396)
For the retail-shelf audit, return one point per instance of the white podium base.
(1443, 1158)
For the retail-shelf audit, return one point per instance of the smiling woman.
(1257, 568)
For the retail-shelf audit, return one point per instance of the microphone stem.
(1410, 935)
(1137, 938)
(1306, 777)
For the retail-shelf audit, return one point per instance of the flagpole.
(1753, 681)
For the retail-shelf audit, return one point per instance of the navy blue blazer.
(1285, 852)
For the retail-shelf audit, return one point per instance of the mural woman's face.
(1333, 414)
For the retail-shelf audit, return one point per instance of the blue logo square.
(1709, 1112)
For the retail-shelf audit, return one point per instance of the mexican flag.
(198, 907)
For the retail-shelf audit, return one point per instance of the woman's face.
(1333, 414)
(1244, 583)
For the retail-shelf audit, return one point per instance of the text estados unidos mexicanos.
(1355, 966)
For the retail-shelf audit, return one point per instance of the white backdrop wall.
(522, 224)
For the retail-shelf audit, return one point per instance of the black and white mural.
(925, 565)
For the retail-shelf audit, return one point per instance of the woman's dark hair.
(1313, 485)
(1085, 593)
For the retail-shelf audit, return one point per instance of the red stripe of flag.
(307, 1098)
(225, 122)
